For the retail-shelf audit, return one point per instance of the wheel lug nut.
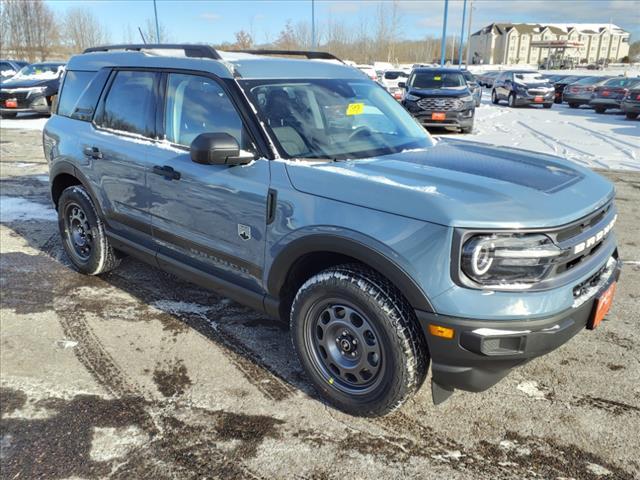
(353, 354)
(354, 342)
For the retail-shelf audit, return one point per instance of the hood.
(462, 184)
(535, 84)
(439, 92)
(29, 82)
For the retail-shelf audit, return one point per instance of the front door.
(212, 217)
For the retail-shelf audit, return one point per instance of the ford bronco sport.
(304, 190)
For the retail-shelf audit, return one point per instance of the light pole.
(444, 33)
(464, 14)
(469, 31)
(313, 25)
(155, 10)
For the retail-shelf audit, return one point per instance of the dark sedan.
(474, 86)
(579, 93)
(521, 88)
(610, 93)
(31, 90)
(486, 79)
(630, 104)
(560, 84)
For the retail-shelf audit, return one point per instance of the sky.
(216, 21)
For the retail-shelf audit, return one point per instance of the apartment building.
(533, 44)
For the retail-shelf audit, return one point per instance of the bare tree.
(150, 35)
(287, 38)
(83, 30)
(30, 30)
(243, 40)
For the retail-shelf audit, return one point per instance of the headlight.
(521, 88)
(410, 97)
(467, 98)
(505, 261)
(37, 90)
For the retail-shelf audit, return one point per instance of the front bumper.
(527, 99)
(577, 98)
(481, 352)
(26, 103)
(458, 119)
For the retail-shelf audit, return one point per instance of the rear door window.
(130, 103)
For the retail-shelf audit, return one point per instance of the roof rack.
(201, 51)
(311, 55)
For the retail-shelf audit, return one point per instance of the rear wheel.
(600, 109)
(358, 340)
(573, 105)
(494, 97)
(83, 234)
(631, 115)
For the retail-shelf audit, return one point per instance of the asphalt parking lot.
(136, 374)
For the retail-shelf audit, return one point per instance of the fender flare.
(68, 168)
(362, 252)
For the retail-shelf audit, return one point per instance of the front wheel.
(494, 97)
(512, 100)
(573, 105)
(358, 340)
(547, 105)
(600, 110)
(466, 129)
(632, 115)
(83, 233)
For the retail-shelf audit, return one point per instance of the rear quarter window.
(80, 93)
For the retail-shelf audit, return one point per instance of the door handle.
(167, 172)
(93, 152)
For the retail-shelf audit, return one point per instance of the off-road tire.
(404, 352)
(631, 115)
(494, 97)
(101, 257)
(8, 115)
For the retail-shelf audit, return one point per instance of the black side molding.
(272, 200)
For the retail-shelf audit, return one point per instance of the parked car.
(630, 104)
(610, 93)
(520, 88)
(8, 68)
(474, 86)
(369, 71)
(560, 84)
(486, 79)
(31, 90)
(579, 93)
(439, 97)
(390, 80)
(304, 190)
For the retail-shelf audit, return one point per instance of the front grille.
(440, 104)
(534, 91)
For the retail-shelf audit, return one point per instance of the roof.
(438, 69)
(231, 64)
(555, 28)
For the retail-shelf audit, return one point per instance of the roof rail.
(201, 51)
(312, 55)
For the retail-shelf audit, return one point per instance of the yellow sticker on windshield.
(355, 108)
(437, 77)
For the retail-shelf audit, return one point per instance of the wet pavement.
(136, 374)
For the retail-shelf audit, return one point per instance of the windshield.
(437, 80)
(468, 76)
(41, 70)
(393, 75)
(528, 77)
(334, 119)
(588, 80)
(620, 82)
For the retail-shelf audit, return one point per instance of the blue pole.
(155, 10)
(464, 17)
(444, 33)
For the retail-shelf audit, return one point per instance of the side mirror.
(218, 149)
(402, 85)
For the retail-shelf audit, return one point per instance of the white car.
(390, 80)
(369, 71)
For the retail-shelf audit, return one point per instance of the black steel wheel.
(83, 233)
(358, 340)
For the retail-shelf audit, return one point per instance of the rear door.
(119, 151)
(211, 217)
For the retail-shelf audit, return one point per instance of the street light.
(444, 33)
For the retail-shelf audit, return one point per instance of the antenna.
(142, 35)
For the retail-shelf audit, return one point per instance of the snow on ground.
(607, 140)
(20, 209)
(27, 121)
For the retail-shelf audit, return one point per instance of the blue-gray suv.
(304, 190)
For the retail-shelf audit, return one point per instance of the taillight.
(589, 89)
(638, 97)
